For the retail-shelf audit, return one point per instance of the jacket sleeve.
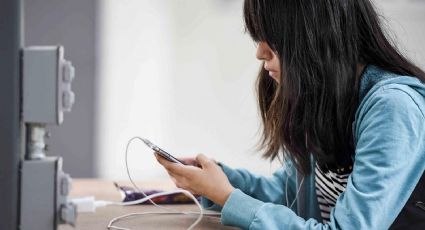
(389, 161)
(277, 189)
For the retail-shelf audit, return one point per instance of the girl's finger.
(170, 166)
(177, 179)
(177, 169)
(203, 160)
(189, 161)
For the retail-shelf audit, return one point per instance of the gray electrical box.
(44, 191)
(47, 79)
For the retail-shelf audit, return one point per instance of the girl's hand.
(207, 180)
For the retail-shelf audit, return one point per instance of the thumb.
(203, 160)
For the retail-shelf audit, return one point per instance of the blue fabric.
(389, 161)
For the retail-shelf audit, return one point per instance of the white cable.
(286, 187)
(187, 193)
(296, 195)
(110, 226)
(134, 184)
(129, 176)
(146, 198)
(286, 184)
(142, 200)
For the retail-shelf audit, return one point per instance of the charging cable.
(289, 174)
(89, 204)
(187, 193)
(149, 198)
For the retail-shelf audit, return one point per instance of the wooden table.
(105, 190)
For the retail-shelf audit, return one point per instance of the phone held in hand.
(162, 152)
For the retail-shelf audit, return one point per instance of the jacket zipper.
(420, 204)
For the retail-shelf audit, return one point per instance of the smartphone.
(162, 152)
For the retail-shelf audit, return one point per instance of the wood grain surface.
(105, 190)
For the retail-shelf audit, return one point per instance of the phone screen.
(162, 152)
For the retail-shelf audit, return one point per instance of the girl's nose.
(264, 51)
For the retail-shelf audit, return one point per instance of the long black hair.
(320, 44)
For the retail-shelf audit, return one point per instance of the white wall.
(182, 73)
(406, 18)
(134, 42)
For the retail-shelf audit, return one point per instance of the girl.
(342, 108)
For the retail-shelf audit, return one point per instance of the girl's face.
(270, 59)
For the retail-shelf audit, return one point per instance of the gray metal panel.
(10, 38)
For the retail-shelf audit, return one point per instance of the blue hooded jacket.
(389, 161)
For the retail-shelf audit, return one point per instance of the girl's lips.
(273, 73)
(269, 69)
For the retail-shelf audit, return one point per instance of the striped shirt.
(329, 186)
